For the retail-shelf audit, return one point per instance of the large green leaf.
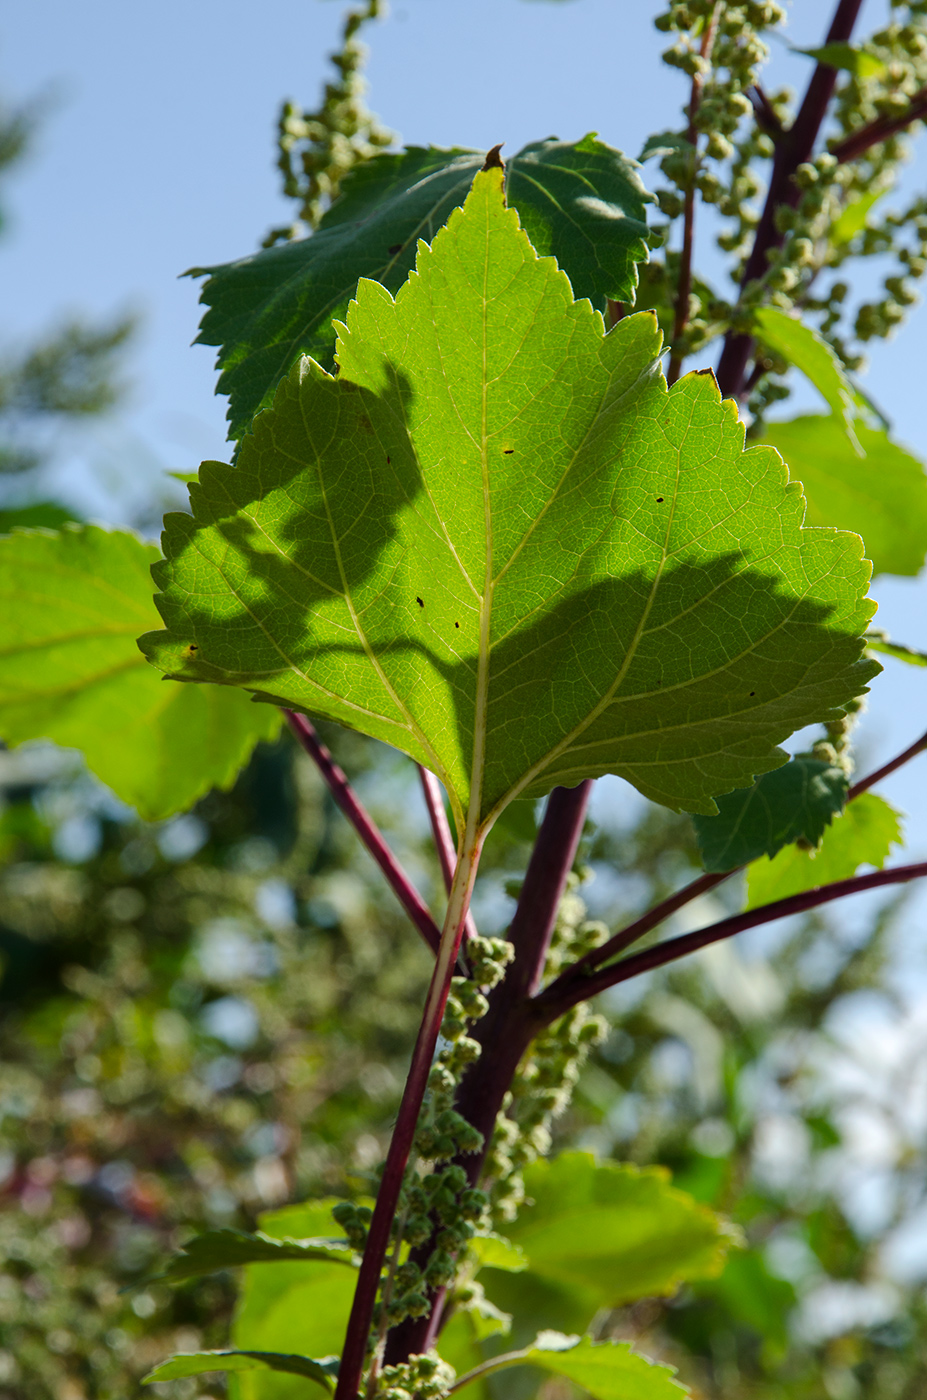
(881, 495)
(227, 1249)
(291, 1306)
(598, 1235)
(795, 802)
(499, 543)
(864, 835)
(582, 202)
(71, 607)
(198, 1363)
(605, 1370)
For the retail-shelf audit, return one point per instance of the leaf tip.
(493, 159)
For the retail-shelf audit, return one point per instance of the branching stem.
(858, 142)
(549, 1006)
(352, 807)
(378, 1238)
(794, 147)
(441, 832)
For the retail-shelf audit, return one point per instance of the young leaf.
(197, 1363)
(605, 1370)
(286, 1306)
(226, 1249)
(808, 351)
(880, 641)
(598, 1235)
(499, 543)
(71, 605)
(492, 1250)
(852, 218)
(881, 495)
(797, 801)
(864, 835)
(582, 202)
(847, 57)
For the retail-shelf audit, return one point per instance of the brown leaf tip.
(493, 159)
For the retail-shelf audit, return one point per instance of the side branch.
(858, 142)
(366, 828)
(550, 1007)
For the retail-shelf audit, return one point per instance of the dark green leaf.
(583, 203)
(45, 515)
(864, 835)
(71, 607)
(881, 495)
(226, 1249)
(794, 802)
(497, 542)
(197, 1363)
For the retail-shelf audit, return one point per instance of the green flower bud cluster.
(836, 747)
(444, 1198)
(315, 150)
(715, 158)
(424, 1377)
(548, 1074)
(354, 1221)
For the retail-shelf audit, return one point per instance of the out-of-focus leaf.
(605, 1370)
(71, 607)
(881, 495)
(292, 1305)
(808, 351)
(795, 802)
(598, 1235)
(323, 1372)
(499, 1253)
(540, 565)
(581, 202)
(227, 1249)
(45, 515)
(847, 57)
(852, 218)
(879, 641)
(753, 1296)
(864, 835)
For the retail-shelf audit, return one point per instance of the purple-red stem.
(441, 832)
(793, 147)
(400, 1147)
(858, 142)
(548, 1007)
(366, 828)
(504, 1033)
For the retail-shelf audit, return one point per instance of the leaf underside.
(71, 607)
(792, 803)
(582, 202)
(497, 542)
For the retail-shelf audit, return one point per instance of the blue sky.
(157, 154)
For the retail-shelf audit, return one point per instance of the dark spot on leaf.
(752, 693)
(192, 647)
(387, 461)
(396, 248)
(659, 500)
(456, 624)
(507, 451)
(420, 603)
